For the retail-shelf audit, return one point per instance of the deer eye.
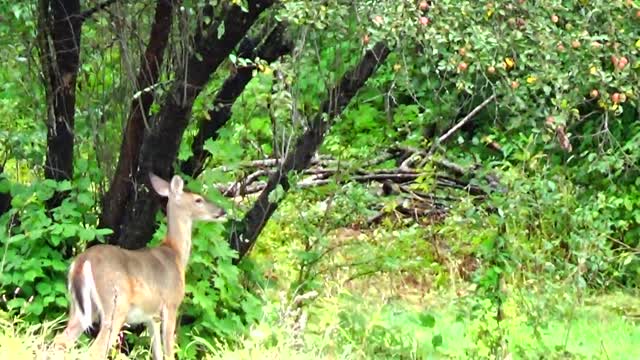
(199, 200)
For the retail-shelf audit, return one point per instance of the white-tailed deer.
(146, 286)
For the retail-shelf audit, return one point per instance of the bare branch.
(464, 120)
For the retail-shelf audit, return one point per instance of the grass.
(348, 326)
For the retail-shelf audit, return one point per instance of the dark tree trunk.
(245, 232)
(5, 197)
(272, 48)
(161, 142)
(60, 25)
(119, 194)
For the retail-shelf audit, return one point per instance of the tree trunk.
(60, 25)
(272, 48)
(5, 197)
(162, 140)
(245, 232)
(119, 194)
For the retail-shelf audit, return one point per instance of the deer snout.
(216, 213)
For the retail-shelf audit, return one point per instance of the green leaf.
(86, 234)
(103, 231)
(64, 185)
(15, 303)
(277, 194)
(62, 301)
(35, 308)
(427, 320)
(43, 287)
(85, 199)
(436, 340)
(32, 274)
(221, 29)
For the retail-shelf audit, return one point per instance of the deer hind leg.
(72, 331)
(113, 314)
(169, 314)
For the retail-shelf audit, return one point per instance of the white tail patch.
(88, 290)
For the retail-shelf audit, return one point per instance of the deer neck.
(179, 234)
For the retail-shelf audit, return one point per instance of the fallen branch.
(249, 185)
(463, 121)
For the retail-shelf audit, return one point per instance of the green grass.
(347, 326)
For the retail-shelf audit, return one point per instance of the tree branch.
(272, 48)
(245, 232)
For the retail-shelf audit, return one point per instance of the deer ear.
(177, 185)
(159, 184)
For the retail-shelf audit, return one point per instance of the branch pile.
(399, 181)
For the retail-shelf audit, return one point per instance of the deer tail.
(83, 287)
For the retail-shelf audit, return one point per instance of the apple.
(615, 97)
(555, 18)
(623, 97)
(622, 62)
(515, 84)
(463, 66)
(462, 51)
(560, 47)
(575, 44)
(491, 70)
(550, 120)
(423, 5)
(377, 20)
(365, 39)
(594, 93)
(424, 21)
(615, 61)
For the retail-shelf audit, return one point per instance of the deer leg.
(156, 339)
(71, 332)
(112, 319)
(169, 314)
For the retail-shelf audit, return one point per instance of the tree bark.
(245, 232)
(5, 197)
(60, 25)
(119, 193)
(272, 48)
(162, 140)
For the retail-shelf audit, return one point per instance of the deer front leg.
(169, 315)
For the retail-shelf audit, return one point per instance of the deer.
(144, 286)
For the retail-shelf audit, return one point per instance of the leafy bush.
(34, 264)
